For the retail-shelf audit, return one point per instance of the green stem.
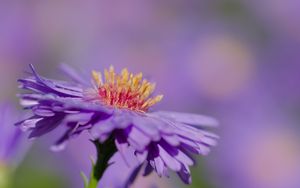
(104, 153)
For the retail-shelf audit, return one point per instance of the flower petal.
(184, 159)
(172, 140)
(169, 160)
(159, 166)
(147, 126)
(187, 118)
(138, 139)
(148, 169)
(73, 74)
(46, 125)
(185, 175)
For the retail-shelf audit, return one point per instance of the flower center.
(125, 90)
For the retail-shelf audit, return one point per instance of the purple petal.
(102, 128)
(138, 139)
(79, 117)
(57, 86)
(190, 145)
(159, 166)
(72, 74)
(205, 149)
(147, 126)
(166, 172)
(193, 133)
(209, 141)
(123, 148)
(61, 143)
(141, 156)
(43, 112)
(148, 170)
(173, 140)
(185, 175)
(133, 176)
(121, 119)
(183, 158)
(187, 118)
(169, 160)
(46, 125)
(28, 124)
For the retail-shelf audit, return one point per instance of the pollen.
(125, 90)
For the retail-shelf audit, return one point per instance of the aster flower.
(116, 110)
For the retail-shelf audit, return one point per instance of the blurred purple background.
(238, 61)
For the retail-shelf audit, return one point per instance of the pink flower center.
(125, 90)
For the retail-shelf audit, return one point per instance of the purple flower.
(11, 145)
(117, 107)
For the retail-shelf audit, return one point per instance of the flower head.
(124, 90)
(117, 107)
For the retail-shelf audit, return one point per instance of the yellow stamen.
(125, 90)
